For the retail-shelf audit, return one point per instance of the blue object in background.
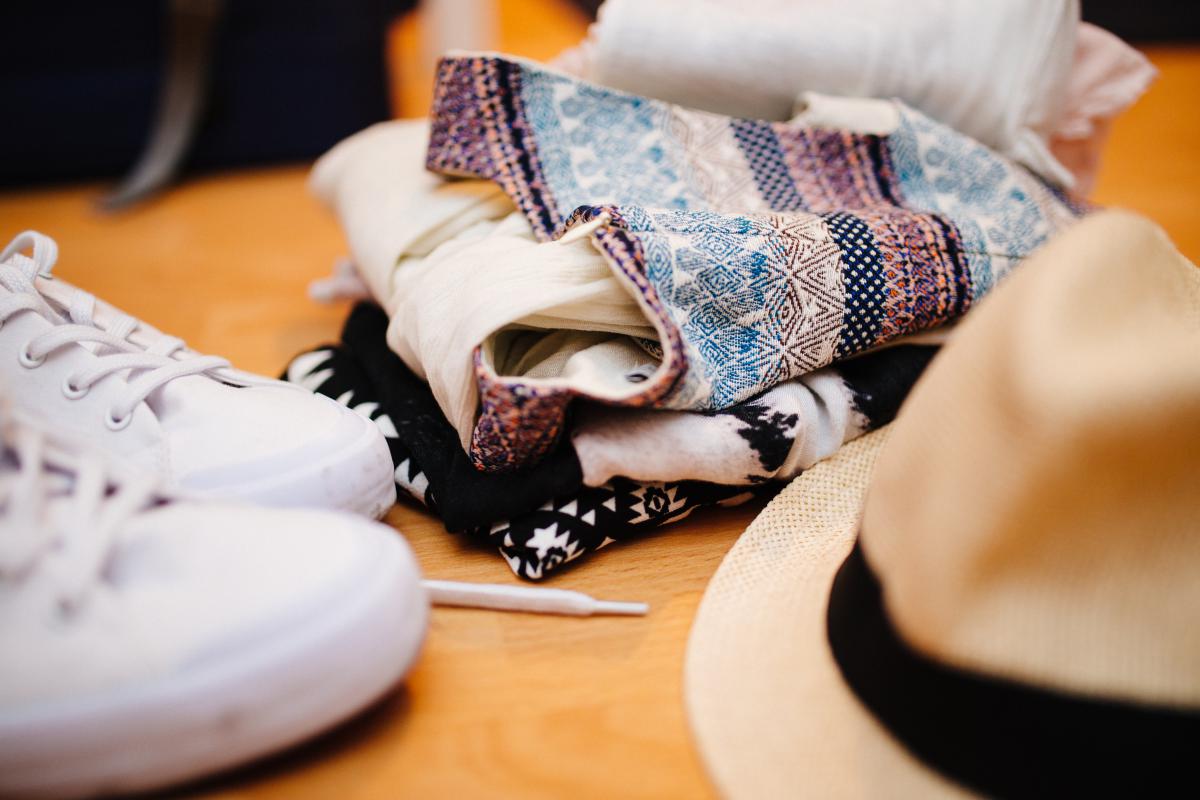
(81, 82)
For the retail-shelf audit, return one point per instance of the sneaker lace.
(149, 367)
(60, 511)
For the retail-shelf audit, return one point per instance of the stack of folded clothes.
(599, 311)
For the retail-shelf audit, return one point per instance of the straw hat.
(1013, 607)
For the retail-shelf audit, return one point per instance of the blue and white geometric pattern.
(743, 290)
(1002, 211)
(925, 222)
(765, 157)
(599, 147)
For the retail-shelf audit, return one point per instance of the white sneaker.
(128, 390)
(145, 640)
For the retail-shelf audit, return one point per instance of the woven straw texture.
(759, 679)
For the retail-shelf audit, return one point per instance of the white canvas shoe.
(145, 640)
(131, 391)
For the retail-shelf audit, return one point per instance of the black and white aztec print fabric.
(772, 437)
(438, 467)
(539, 519)
(473, 500)
(545, 516)
(564, 529)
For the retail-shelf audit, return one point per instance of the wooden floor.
(499, 705)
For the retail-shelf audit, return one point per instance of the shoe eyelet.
(116, 423)
(73, 392)
(26, 359)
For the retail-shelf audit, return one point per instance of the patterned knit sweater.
(760, 251)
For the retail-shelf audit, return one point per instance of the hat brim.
(768, 708)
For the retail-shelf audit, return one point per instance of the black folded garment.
(539, 518)
(431, 464)
(542, 517)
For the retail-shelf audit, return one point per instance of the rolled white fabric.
(456, 267)
(496, 276)
(996, 70)
(390, 205)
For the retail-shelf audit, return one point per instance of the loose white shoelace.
(60, 512)
(149, 367)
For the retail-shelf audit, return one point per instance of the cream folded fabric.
(995, 70)
(495, 285)
(456, 267)
(389, 204)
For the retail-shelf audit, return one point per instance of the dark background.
(1134, 21)
(1148, 20)
(290, 78)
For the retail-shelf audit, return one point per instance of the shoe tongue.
(213, 429)
(185, 397)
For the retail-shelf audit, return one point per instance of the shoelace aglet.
(537, 600)
(620, 609)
